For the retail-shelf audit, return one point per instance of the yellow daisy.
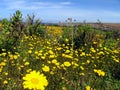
(46, 68)
(67, 64)
(34, 80)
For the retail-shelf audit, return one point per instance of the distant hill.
(106, 26)
(102, 26)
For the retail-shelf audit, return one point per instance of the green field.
(34, 56)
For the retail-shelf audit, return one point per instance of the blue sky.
(60, 10)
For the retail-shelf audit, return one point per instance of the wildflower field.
(34, 56)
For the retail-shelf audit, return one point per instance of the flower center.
(34, 80)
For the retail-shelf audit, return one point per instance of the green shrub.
(33, 27)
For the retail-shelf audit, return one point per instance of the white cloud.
(27, 5)
(14, 4)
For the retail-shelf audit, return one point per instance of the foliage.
(11, 31)
(29, 25)
(15, 28)
(92, 64)
(5, 34)
(63, 68)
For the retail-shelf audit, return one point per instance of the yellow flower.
(94, 42)
(30, 44)
(51, 72)
(92, 50)
(1, 69)
(67, 64)
(46, 68)
(88, 87)
(67, 56)
(3, 49)
(4, 54)
(88, 61)
(52, 56)
(66, 40)
(67, 51)
(15, 56)
(59, 48)
(6, 73)
(75, 64)
(28, 70)
(36, 52)
(82, 54)
(99, 72)
(82, 74)
(2, 64)
(51, 52)
(35, 81)
(101, 53)
(11, 57)
(81, 67)
(29, 51)
(42, 57)
(64, 88)
(26, 63)
(5, 82)
(54, 61)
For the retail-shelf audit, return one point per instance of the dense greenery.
(71, 57)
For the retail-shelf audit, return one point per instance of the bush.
(11, 31)
(33, 27)
(14, 29)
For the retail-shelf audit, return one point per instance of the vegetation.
(38, 57)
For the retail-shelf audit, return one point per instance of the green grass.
(83, 61)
